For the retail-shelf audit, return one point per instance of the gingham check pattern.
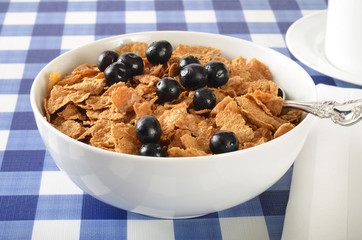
(37, 201)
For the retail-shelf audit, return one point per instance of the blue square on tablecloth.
(287, 15)
(16, 230)
(25, 140)
(25, 86)
(48, 30)
(199, 228)
(140, 27)
(233, 28)
(203, 27)
(247, 209)
(42, 55)
(110, 29)
(81, 6)
(275, 226)
(19, 183)
(170, 17)
(95, 209)
(198, 5)
(4, 6)
(283, 5)
(50, 18)
(172, 26)
(274, 202)
(110, 17)
(230, 16)
(103, 229)
(263, 27)
(78, 29)
(18, 207)
(5, 120)
(26, 160)
(23, 105)
(226, 5)
(255, 4)
(111, 6)
(9, 86)
(23, 7)
(49, 164)
(12, 56)
(16, 30)
(52, 7)
(312, 4)
(284, 26)
(23, 121)
(169, 5)
(140, 6)
(53, 207)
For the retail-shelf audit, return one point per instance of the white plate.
(305, 40)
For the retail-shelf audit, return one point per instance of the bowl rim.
(41, 118)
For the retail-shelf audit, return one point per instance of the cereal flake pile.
(83, 106)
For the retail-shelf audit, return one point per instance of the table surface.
(37, 201)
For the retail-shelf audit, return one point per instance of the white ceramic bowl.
(176, 187)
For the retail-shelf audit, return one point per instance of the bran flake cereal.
(82, 106)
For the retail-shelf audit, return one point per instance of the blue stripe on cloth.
(198, 228)
(23, 160)
(14, 208)
(16, 230)
(103, 229)
(20, 183)
(57, 207)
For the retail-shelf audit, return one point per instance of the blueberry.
(193, 76)
(204, 98)
(105, 59)
(159, 52)
(223, 141)
(148, 129)
(133, 61)
(116, 72)
(152, 150)
(168, 89)
(187, 60)
(217, 73)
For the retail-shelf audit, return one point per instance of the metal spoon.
(344, 114)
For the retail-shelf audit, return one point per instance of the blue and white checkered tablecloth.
(37, 201)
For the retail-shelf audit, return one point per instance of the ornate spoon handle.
(321, 109)
(345, 114)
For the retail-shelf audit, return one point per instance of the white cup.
(343, 40)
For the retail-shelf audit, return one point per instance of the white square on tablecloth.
(70, 42)
(140, 17)
(244, 228)
(20, 18)
(259, 16)
(14, 43)
(12, 70)
(4, 135)
(8, 102)
(80, 18)
(57, 183)
(269, 40)
(56, 229)
(203, 16)
(150, 230)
